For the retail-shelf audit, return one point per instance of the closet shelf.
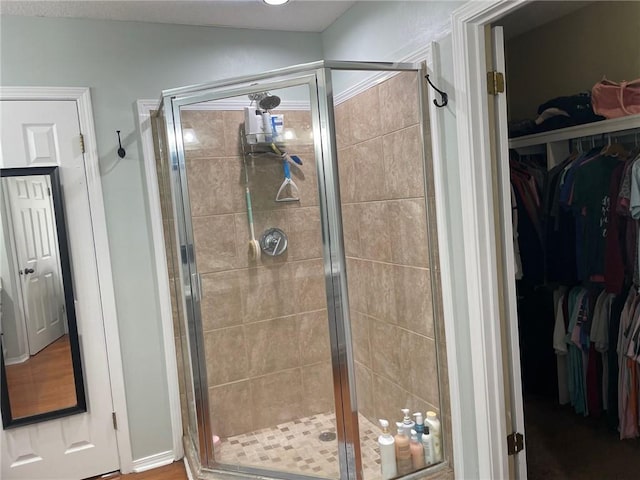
(588, 129)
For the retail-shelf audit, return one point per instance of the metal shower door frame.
(318, 76)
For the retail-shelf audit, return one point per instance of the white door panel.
(43, 133)
(513, 381)
(38, 259)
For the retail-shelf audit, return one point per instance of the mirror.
(40, 354)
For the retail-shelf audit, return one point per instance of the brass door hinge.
(495, 83)
(515, 443)
(115, 420)
(82, 143)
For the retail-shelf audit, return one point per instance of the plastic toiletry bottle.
(419, 425)
(403, 451)
(266, 126)
(417, 452)
(386, 443)
(407, 423)
(436, 432)
(427, 444)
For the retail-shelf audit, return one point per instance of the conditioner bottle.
(386, 443)
(403, 451)
(436, 433)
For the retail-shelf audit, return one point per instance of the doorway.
(300, 292)
(559, 257)
(491, 204)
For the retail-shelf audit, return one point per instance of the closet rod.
(606, 138)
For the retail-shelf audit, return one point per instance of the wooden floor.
(43, 383)
(175, 471)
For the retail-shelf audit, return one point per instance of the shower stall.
(300, 323)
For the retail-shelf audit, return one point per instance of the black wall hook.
(121, 151)
(445, 97)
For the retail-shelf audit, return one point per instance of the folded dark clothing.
(554, 123)
(521, 127)
(577, 106)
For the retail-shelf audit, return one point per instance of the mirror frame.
(67, 284)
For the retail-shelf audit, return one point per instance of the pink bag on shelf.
(613, 100)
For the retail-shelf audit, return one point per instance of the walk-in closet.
(574, 161)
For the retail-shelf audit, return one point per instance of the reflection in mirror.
(41, 369)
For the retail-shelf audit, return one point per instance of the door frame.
(479, 219)
(144, 109)
(21, 318)
(82, 97)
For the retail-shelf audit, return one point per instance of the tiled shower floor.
(294, 447)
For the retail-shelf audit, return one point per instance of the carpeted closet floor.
(563, 445)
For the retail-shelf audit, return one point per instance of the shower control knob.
(273, 242)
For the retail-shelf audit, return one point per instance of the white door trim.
(159, 251)
(82, 97)
(481, 295)
(437, 148)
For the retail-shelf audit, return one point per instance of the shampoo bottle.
(386, 443)
(417, 452)
(407, 423)
(436, 433)
(403, 451)
(427, 444)
(419, 425)
(267, 127)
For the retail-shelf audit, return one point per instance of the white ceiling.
(297, 15)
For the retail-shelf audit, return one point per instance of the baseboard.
(16, 360)
(187, 468)
(153, 461)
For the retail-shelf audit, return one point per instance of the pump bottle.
(386, 443)
(417, 452)
(407, 423)
(403, 451)
(419, 425)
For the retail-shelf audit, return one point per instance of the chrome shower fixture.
(265, 100)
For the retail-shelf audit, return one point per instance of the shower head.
(265, 100)
(269, 102)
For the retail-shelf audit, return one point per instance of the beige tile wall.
(387, 242)
(265, 323)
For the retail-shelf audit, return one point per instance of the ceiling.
(297, 15)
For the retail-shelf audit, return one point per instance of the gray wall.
(383, 31)
(123, 62)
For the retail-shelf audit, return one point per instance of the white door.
(44, 133)
(511, 346)
(38, 259)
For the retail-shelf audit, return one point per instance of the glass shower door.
(253, 206)
(386, 201)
